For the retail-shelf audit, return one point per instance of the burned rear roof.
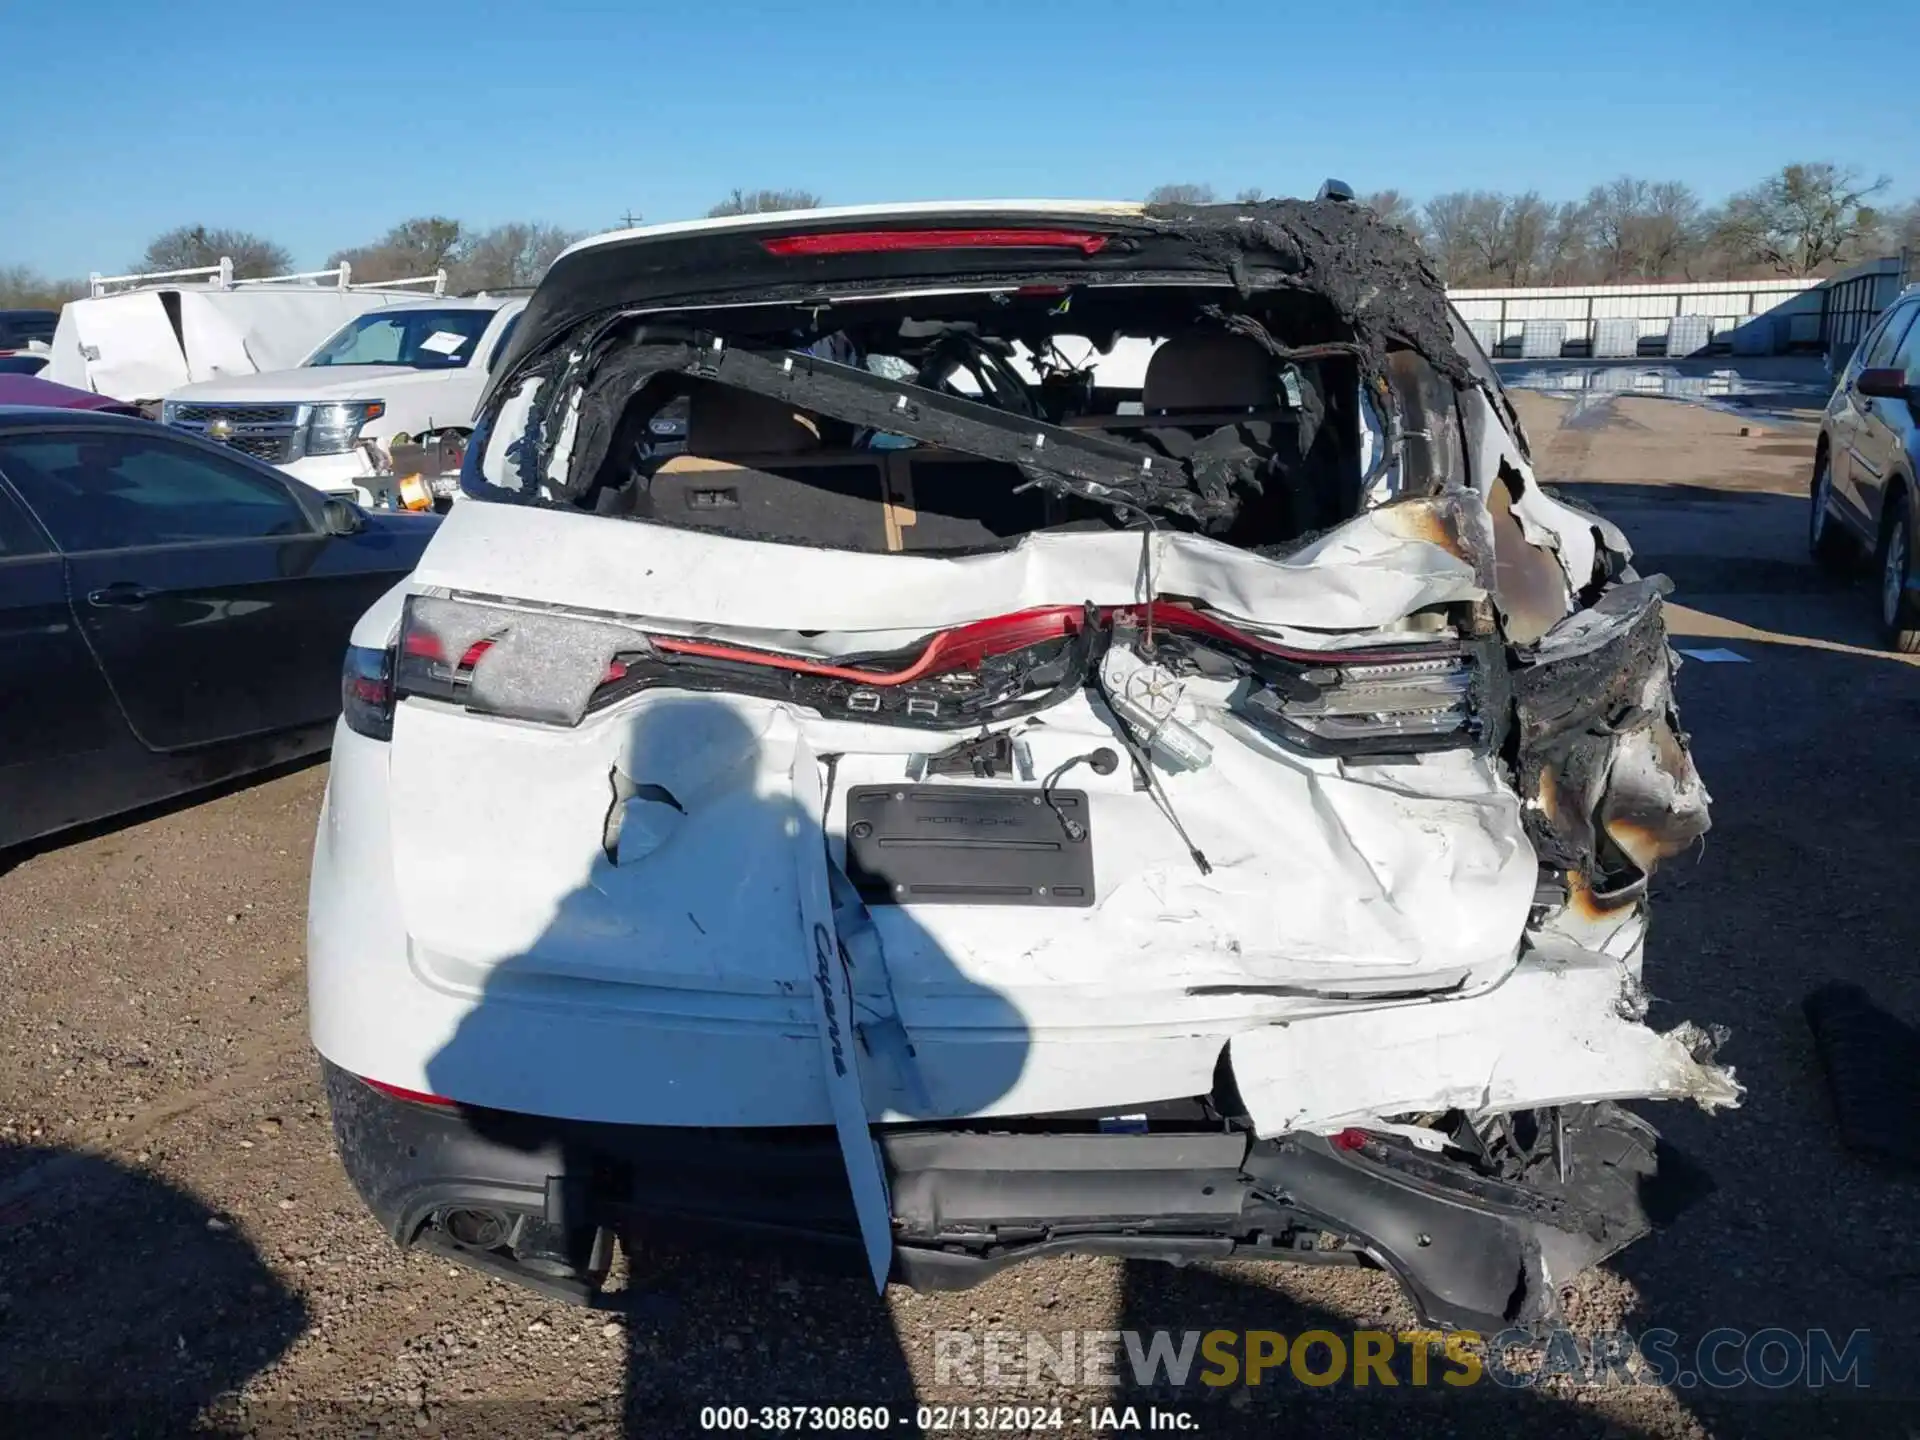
(1373, 275)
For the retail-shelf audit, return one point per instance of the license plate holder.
(969, 845)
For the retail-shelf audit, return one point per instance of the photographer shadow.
(747, 1280)
(182, 1313)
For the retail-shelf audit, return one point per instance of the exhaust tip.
(479, 1229)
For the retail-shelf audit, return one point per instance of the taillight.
(533, 663)
(868, 242)
(1404, 705)
(366, 692)
(539, 665)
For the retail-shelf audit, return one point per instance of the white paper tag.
(443, 342)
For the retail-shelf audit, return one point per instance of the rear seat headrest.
(723, 421)
(1208, 370)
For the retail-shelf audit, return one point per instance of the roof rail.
(438, 280)
(221, 277)
(221, 274)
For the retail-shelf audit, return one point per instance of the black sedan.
(172, 614)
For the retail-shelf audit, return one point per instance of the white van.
(138, 337)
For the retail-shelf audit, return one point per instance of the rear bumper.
(1470, 1252)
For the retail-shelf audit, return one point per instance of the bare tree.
(754, 202)
(412, 248)
(1900, 230)
(1394, 208)
(1566, 253)
(1643, 230)
(1252, 195)
(1524, 222)
(1482, 237)
(24, 288)
(1615, 210)
(1486, 237)
(511, 255)
(1671, 233)
(1806, 217)
(1184, 193)
(1448, 225)
(190, 247)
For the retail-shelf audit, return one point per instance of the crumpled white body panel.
(1328, 881)
(1563, 1027)
(1323, 875)
(1360, 576)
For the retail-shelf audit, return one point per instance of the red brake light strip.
(955, 649)
(867, 242)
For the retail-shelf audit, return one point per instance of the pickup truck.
(356, 418)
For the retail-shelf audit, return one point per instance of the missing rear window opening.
(942, 436)
(1203, 370)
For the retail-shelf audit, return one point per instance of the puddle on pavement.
(1592, 387)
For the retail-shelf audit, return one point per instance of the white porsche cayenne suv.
(1097, 742)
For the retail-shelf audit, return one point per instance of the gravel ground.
(176, 1239)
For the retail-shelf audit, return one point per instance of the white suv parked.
(391, 376)
(960, 810)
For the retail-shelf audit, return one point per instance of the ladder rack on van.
(221, 277)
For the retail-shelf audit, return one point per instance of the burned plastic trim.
(1373, 274)
(1602, 764)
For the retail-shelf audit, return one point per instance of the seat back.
(1207, 373)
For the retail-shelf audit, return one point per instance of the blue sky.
(320, 125)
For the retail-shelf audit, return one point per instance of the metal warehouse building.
(1747, 317)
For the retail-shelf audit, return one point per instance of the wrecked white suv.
(960, 810)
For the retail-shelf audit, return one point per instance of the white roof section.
(780, 219)
(1788, 286)
(458, 302)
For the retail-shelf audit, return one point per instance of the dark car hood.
(404, 524)
(32, 390)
